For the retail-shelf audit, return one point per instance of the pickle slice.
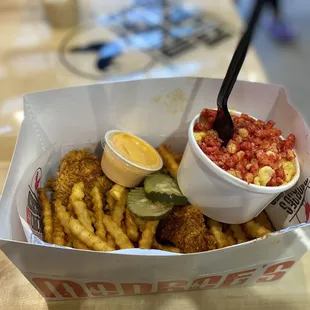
(162, 188)
(145, 209)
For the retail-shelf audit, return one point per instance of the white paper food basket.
(156, 110)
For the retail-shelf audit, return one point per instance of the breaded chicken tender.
(80, 166)
(186, 229)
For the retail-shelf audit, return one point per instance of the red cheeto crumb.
(255, 144)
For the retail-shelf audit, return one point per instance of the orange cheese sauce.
(135, 150)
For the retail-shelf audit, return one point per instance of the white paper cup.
(217, 193)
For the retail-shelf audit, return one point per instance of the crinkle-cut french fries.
(69, 242)
(216, 230)
(167, 248)
(140, 223)
(110, 202)
(131, 227)
(91, 216)
(80, 210)
(255, 230)
(119, 194)
(148, 234)
(118, 212)
(58, 233)
(262, 219)
(77, 244)
(111, 241)
(229, 236)
(238, 233)
(70, 209)
(90, 239)
(62, 215)
(98, 213)
(109, 225)
(177, 157)
(117, 233)
(46, 216)
(90, 212)
(169, 161)
(77, 193)
(79, 206)
(113, 195)
(123, 227)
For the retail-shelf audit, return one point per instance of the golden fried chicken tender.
(58, 233)
(50, 184)
(255, 230)
(185, 228)
(131, 227)
(80, 166)
(263, 220)
(238, 233)
(46, 216)
(168, 160)
(167, 248)
(215, 228)
(98, 214)
(79, 206)
(90, 239)
(117, 233)
(148, 234)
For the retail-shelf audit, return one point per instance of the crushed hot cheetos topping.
(256, 154)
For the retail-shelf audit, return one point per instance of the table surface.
(26, 38)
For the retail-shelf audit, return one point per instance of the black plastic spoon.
(223, 123)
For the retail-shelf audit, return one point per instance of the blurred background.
(60, 43)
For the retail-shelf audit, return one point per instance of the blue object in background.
(111, 49)
(179, 13)
(167, 26)
(149, 2)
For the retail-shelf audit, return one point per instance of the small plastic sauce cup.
(120, 160)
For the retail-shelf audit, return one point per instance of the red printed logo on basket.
(296, 202)
(67, 289)
(307, 211)
(36, 179)
(33, 209)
